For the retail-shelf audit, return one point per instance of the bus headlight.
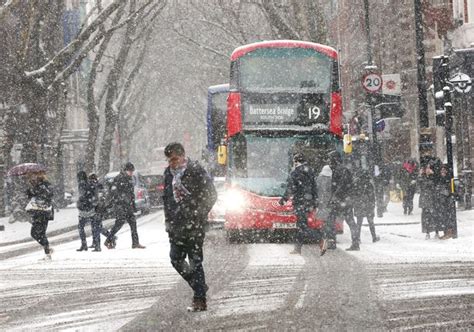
(234, 200)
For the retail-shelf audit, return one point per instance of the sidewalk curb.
(33, 246)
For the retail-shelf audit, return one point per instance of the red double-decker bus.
(284, 99)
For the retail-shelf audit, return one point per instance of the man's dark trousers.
(121, 220)
(301, 225)
(193, 273)
(348, 215)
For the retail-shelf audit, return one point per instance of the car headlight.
(234, 200)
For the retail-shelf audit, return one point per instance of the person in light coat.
(324, 184)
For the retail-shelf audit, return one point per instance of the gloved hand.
(398, 186)
(282, 201)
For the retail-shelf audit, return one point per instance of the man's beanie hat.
(299, 158)
(128, 167)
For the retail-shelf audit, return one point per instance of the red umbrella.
(26, 168)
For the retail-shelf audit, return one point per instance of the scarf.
(179, 190)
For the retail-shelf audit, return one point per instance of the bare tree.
(118, 82)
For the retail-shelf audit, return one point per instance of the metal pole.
(367, 32)
(467, 166)
(448, 106)
(375, 150)
(2, 169)
(421, 81)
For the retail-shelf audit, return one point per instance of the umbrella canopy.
(26, 168)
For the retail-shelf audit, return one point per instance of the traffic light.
(388, 106)
(440, 76)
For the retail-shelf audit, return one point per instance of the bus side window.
(239, 147)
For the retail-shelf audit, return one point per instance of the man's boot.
(83, 247)
(332, 244)
(448, 234)
(354, 247)
(110, 244)
(199, 304)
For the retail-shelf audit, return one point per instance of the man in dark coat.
(364, 202)
(188, 197)
(301, 184)
(100, 212)
(86, 205)
(427, 200)
(123, 197)
(341, 203)
(408, 178)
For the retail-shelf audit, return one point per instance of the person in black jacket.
(41, 209)
(188, 197)
(341, 202)
(364, 202)
(123, 198)
(445, 204)
(86, 205)
(408, 178)
(100, 212)
(427, 200)
(301, 184)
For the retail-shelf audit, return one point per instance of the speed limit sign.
(372, 82)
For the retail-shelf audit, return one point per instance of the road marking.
(263, 285)
(299, 304)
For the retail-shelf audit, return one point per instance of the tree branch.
(204, 47)
(73, 47)
(277, 21)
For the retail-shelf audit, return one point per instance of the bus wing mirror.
(222, 155)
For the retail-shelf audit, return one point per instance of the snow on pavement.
(404, 265)
(105, 289)
(18, 231)
(401, 240)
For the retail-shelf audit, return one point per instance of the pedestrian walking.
(364, 203)
(123, 198)
(40, 206)
(301, 184)
(189, 195)
(382, 177)
(427, 200)
(86, 204)
(408, 177)
(324, 184)
(100, 212)
(445, 204)
(341, 204)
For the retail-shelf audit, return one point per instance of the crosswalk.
(425, 296)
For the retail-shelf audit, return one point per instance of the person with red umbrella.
(17, 181)
(40, 207)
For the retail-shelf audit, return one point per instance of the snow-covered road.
(87, 290)
(404, 281)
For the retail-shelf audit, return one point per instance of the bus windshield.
(285, 69)
(262, 163)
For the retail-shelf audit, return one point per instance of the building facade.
(75, 133)
(448, 30)
(393, 50)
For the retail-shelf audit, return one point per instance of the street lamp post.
(371, 101)
(448, 106)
